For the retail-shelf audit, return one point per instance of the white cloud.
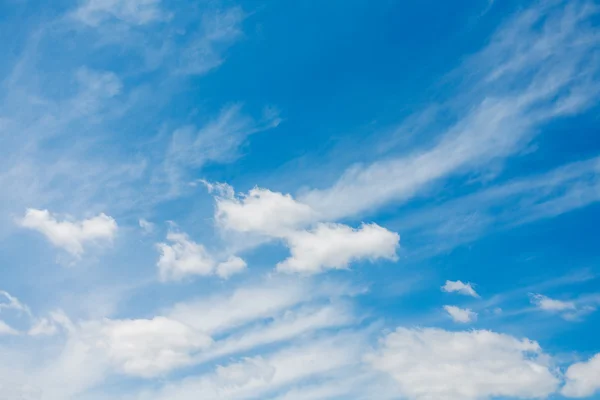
(475, 365)
(547, 304)
(461, 315)
(334, 246)
(135, 12)
(459, 287)
(263, 212)
(6, 329)
(520, 81)
(582, 379)
(146, 347)
(233, 265)
(71, 236)
(185, 258)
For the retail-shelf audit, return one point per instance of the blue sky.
(299, 200)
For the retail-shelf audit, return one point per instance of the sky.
(299, 200)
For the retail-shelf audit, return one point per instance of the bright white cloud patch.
(547, 304)
(461, 315)
(146, 347)
(233, 265)
(437, 364)
(335, 246)
(183, 257)
(263, 212)
(583, 379)
(71, 236)
(460, 287)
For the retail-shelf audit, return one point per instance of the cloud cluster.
(70, 235)
(436, 364)
(314, 246)
(183, 257)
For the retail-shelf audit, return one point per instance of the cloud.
(262, 212)
(146, 347)
(205, 49)
(321, 247)
(185, 258)
(335, 246)
(263, 376)
(134, 12)
(547, 304)
(147, 226)
(518, 201)
(475, 365)
(582, 378)
(12, 303)
(459, 287)
(521, 82)
(233, 265)
(461, 315)
(71, 236)
(43, 327)
(5, 329)
(569, 310)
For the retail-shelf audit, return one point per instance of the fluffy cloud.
(146, 347)
(459, 287)
(334, 246)
(582, 379)
(475, 365)
(71, 236)
(233, 265)
(183, 257)
(461, 315)
(548, 304)
(263, 212)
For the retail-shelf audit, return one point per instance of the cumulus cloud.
(582, 379)
(459, 287)
(334, 246)
(71, 236)
(437, 364)
(461, 315)
(547, 304)
(233, 265)
(314, 246)
(146, 347)
(184, 257)
(263, 212)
